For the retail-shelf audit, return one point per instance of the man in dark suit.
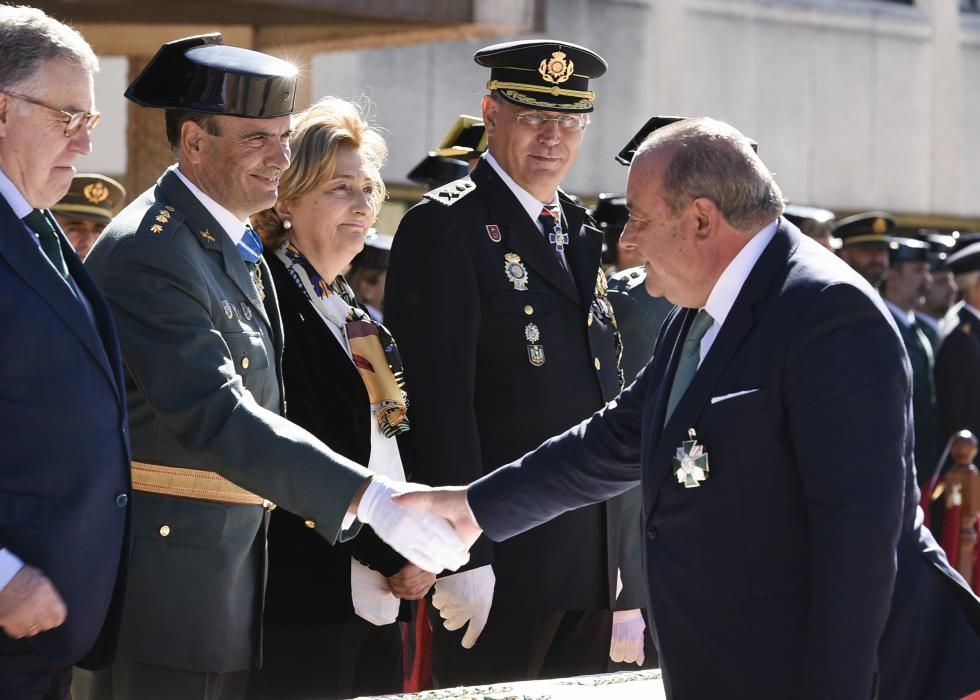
(64, 467)
(905, 286)
(183, 274)
(507, 338)
(784, 549)
(958, 356)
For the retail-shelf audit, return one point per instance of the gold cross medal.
(515, 271)
(691, 462)
(535, 352)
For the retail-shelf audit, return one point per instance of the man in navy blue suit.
(772, 437)
(64, 467)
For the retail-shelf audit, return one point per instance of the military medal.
(535, 352)
(515, 271)
(494, 232)
(691, 462)
(226, 306)
(246, 310)
(256, 273)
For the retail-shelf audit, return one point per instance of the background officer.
(87, 209)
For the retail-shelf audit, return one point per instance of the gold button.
(244, 363)
(310, 523)
(164, 530)
(590, 318)
(529, 310)
(597, 363)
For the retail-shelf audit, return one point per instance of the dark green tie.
(49, 240)
(690, 358)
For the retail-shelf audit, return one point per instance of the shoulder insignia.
(627, 279)
(448, 195)
(159, 218)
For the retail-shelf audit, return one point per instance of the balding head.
(712, 159)
(697, 193)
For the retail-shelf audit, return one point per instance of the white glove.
(626, 645)
(465, 597)
(426, 540)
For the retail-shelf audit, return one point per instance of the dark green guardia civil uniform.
(204, 389)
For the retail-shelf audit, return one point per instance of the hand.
(30, 604)
(626, 645)
(465, 597)
(411, 582)
(418, 535)
(449, 503)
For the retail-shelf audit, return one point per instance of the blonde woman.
(330, 624)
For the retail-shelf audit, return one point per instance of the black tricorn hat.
(201, 74)
(543, 74)
(625, 156)
(436, 170)
(610, 212)
(466, 139)
(374, 255)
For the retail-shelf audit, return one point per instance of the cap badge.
(96, 192)
(879, 226)
(556, 69)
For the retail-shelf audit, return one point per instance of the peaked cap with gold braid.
(547, 75)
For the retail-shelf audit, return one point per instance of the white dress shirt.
(726, 289)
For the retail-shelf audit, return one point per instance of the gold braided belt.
(193, 483)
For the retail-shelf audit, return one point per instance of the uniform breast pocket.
(247, 350)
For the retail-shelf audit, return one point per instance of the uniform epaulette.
(625, 280)
(453, 192)
(159, 219)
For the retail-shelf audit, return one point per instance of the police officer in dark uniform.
(958, 357)
(864, 240)
(497, 299)
(905, 286)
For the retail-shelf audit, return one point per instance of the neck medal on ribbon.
(691, 462)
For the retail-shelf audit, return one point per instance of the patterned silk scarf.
(371, 345)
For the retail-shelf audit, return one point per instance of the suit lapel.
(212, 236)
(29, 263)
(740, 321)
(520, 233)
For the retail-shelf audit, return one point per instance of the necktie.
(690, 357)
(550, 218)
(50, 244)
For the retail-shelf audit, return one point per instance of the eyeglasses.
(565, 122)
(73, 121)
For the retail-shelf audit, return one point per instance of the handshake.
(433, 529)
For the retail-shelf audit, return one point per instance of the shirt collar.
(531, 204)
(901, 315)
(726, 289)
(233, 226)
(17, 201)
